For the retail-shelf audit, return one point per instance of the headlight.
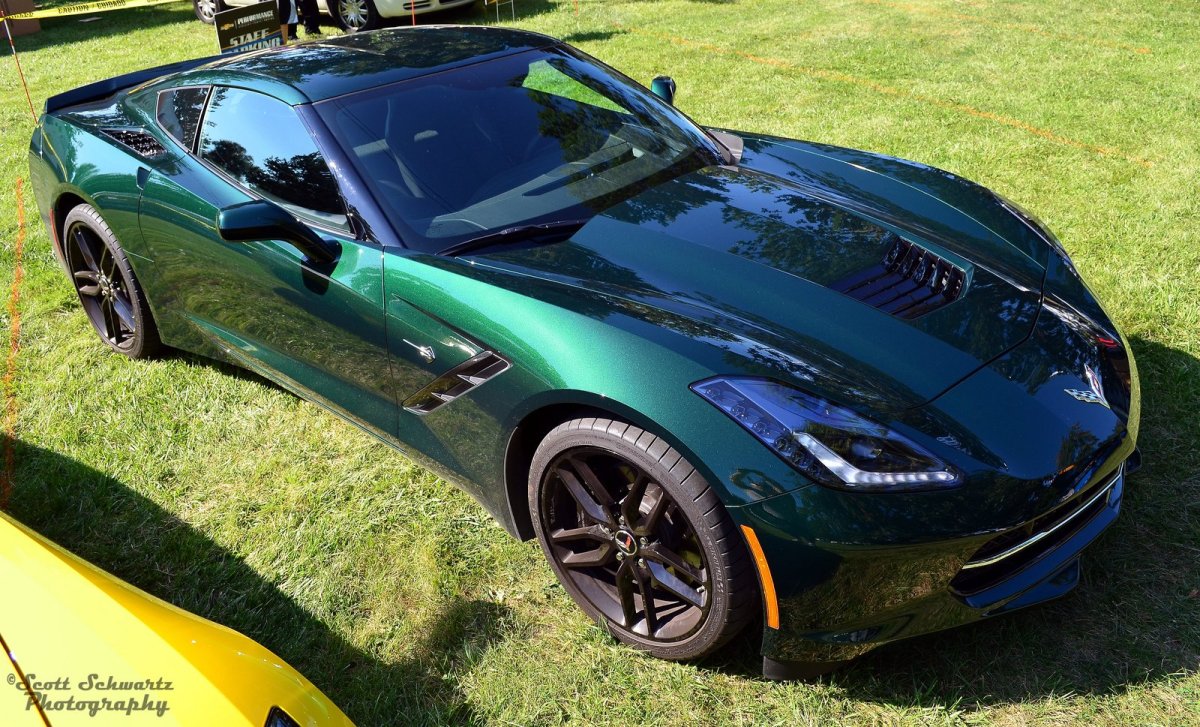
(826, 442)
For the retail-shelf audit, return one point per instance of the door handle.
(143, 176)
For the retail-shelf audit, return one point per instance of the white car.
(351, 15)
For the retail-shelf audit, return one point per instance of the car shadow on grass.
(592, 36)
(110, 525)
(1134, 619)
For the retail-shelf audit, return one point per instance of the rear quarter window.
(179, 112)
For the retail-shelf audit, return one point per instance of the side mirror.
(263, 220)
(664, 88)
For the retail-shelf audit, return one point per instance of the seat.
(439, 142)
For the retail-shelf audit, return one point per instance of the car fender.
(571, 351)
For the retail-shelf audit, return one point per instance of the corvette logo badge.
(625, 542)
(1096, 394)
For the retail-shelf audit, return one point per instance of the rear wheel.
(106, 286)
(639, 539)
(356, 15)
(206, 10)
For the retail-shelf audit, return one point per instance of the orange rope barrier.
(838, 76)
(17, 59)
(1025, 27)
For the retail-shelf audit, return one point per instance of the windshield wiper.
(730, 145)
(559, 229)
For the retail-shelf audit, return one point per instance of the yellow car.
(84, 648)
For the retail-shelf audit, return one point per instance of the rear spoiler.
(103, 89)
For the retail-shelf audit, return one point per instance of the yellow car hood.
(70, 627)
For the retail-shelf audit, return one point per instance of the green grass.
(395, 593)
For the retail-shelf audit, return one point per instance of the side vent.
(141, 142)
(910, 282)
(456, 382)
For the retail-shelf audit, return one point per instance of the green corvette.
(719, 376)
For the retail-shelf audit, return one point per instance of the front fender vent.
(456, 382)
(140, 142)
(909, 282)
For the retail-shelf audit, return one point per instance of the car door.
(317, 329)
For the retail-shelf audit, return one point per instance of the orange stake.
(14, 345)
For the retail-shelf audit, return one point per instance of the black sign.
(249, 28)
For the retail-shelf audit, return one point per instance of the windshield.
(533, 138)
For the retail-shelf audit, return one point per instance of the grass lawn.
(398, 596)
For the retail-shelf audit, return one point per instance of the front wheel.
(639, 539)
(206, 10)
(356, 15)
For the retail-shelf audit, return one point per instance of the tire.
(637, 518)
(107, 288)
(354, 16)
(206, 10)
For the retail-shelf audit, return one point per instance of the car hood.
(748, 261)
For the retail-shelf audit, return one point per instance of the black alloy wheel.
(639, 539)
(106, 285)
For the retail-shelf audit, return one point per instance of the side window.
(179, 112)
(261, 142)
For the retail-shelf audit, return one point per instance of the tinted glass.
(179, 112)
(539, 136)
(261, 142)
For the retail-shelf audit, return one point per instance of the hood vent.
(910, 282)
(141, 142)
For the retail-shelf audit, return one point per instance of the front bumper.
(837, 601)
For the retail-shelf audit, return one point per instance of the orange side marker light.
(764, 577)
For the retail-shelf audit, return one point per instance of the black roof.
(359, 61)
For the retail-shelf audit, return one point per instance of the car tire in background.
(206, 10)
(107, 288)
(627, 522)
(353, 16)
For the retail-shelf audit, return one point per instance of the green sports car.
(719, 376)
